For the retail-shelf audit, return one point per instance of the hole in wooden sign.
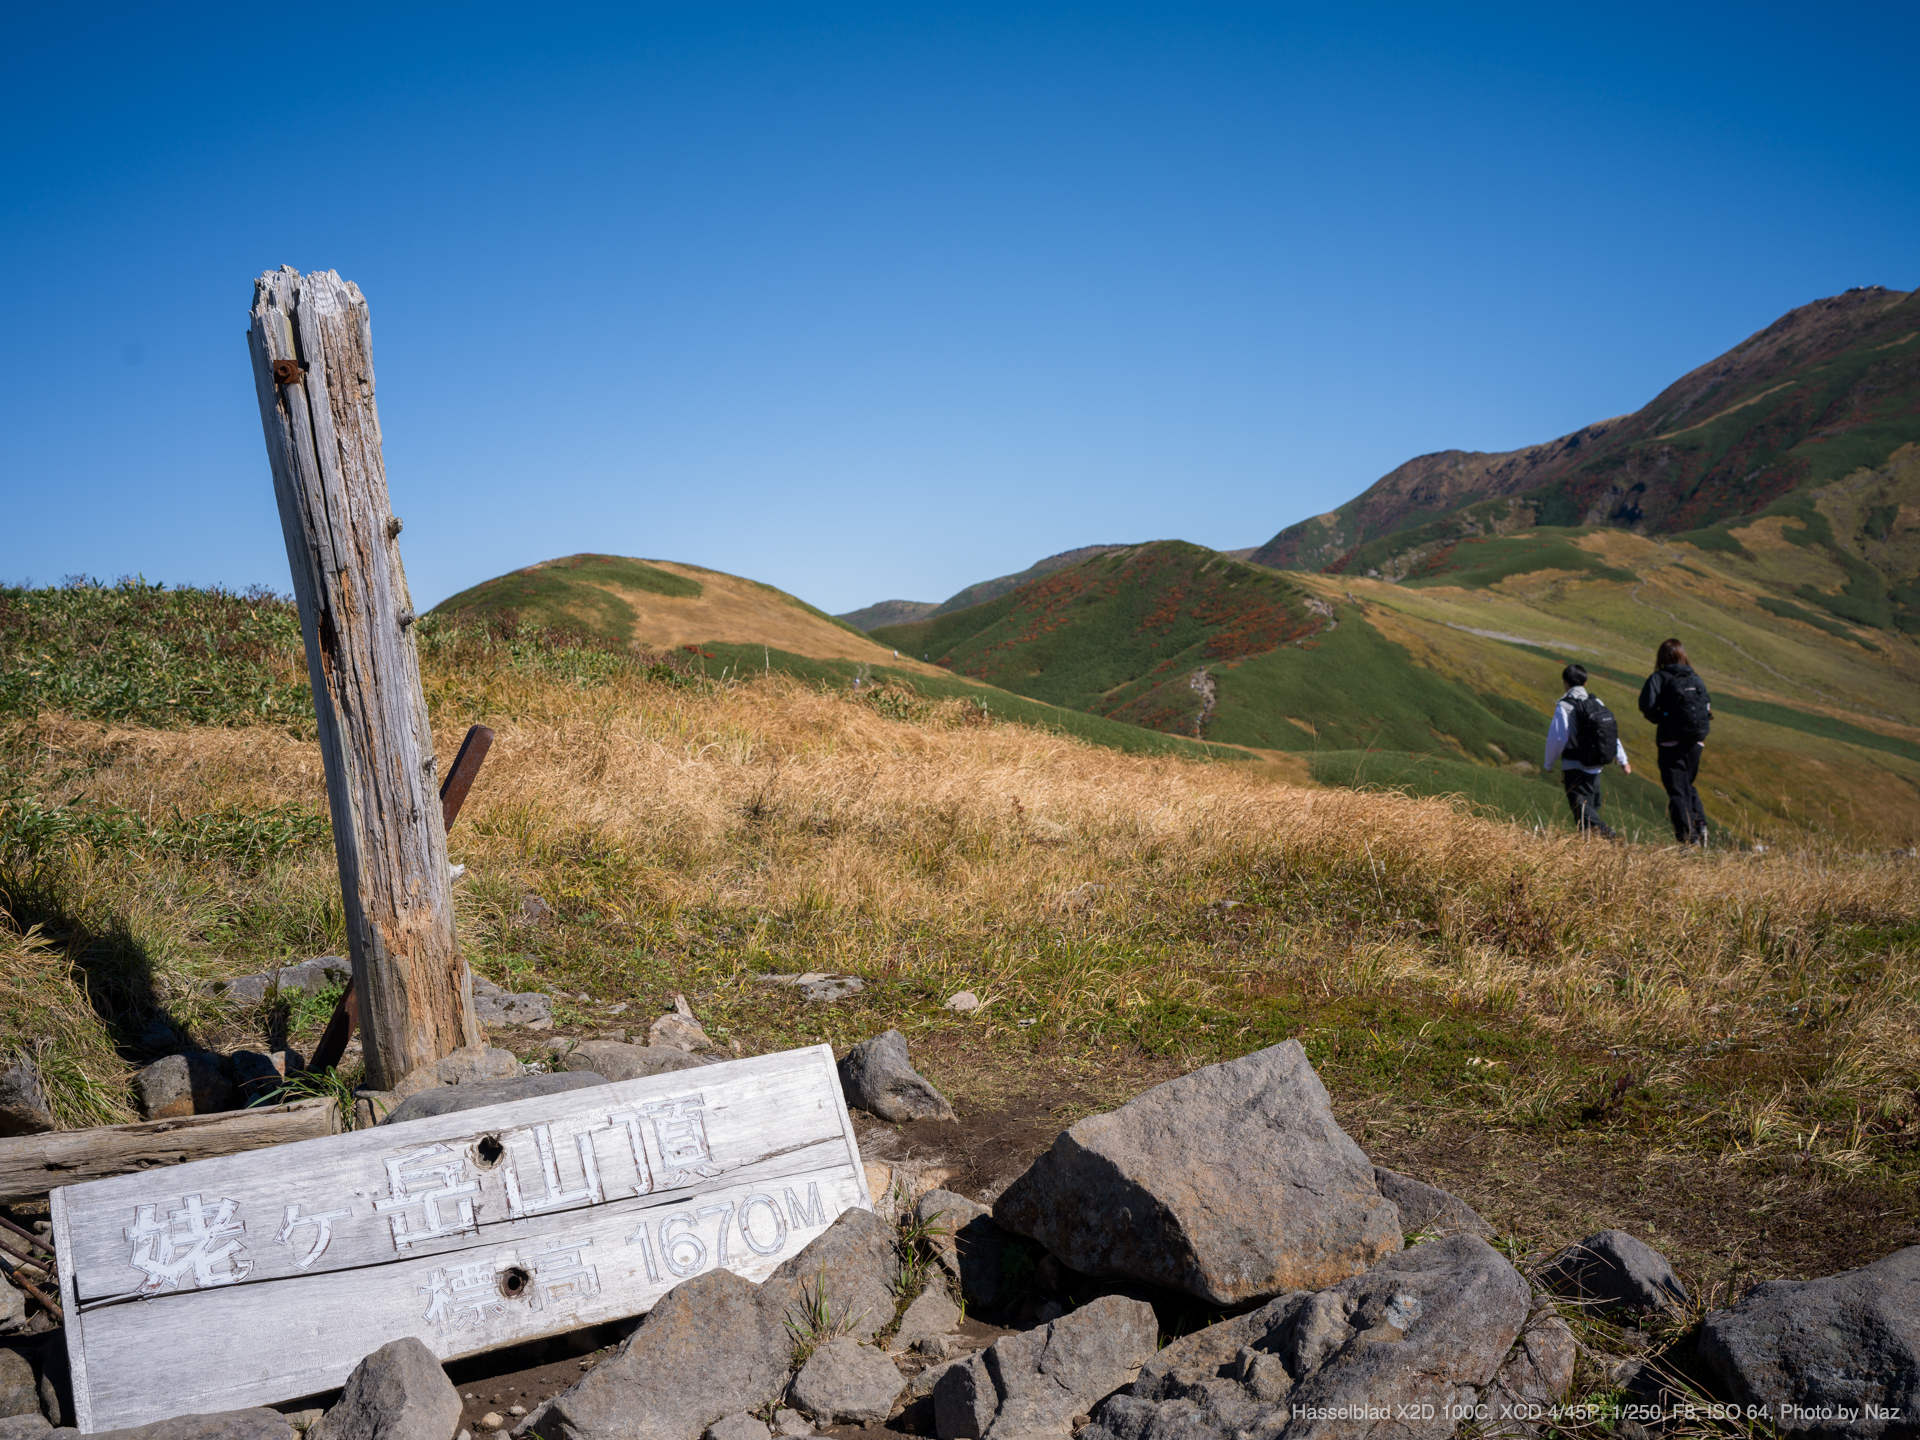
(514, 1282)
(489, 1149)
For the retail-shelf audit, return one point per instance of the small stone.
(30, 1426)
(516, 1411)
(308, 977)
(818, 986)
(878, 1077)
(399, 1392)
(303, 1420)
(965, 1003)
(13, 1308)
(737, 1427)
(677, 1029)
(464, 1435)
(791, 1423)
(492, 1421)
(494, 1006)
(844, 1380)
(1612, 1270)
(181, 1085)
(619, 1061)
(534, 911)
(23, 1101)
(932, 1314)
(1425, 1208)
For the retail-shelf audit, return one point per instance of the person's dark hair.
(1671, 652)
(1573, 675)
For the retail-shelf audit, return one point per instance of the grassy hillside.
(1441, 684)
(906, 612)
(1826, 390)
(735, 627)
(1715, 1051)
(1123, 634)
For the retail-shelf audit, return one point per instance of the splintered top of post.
(323, 294)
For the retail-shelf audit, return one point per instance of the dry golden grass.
(696, 833)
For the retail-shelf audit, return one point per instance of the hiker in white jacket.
(1580, 775)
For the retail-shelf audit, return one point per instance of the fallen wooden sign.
(31, 1165)
(261, 1278)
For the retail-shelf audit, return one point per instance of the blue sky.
(878, 301)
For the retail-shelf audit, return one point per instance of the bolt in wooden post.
(313, 368)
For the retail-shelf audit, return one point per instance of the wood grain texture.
(323, 443)
(32, 1165)
(214, 1286)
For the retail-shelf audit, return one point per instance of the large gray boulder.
(1429, 1209)
(1425, 1332)
(19, 1391)
(23, 1100)
(845, 1381)
(967, 1244)
(1039, 1381)
(878, 1078)
(1839, 1356)
(1232, 1183)
(446, 1099)
(399, 1392)
(176, 1086)
(1611, 1270)
(493, 1006)
(709, 1349)
(307, 977)
(717, 1345)
(618, 1060)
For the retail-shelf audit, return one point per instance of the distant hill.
(1827, 389)
(1122, 633)
(889, 612)
(903, 612)
(737, 627)
(1441, 684)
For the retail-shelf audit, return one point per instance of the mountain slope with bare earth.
(906, 612)
(1828, 388)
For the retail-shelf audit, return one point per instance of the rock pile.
(1371, 1302)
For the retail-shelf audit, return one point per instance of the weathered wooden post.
(313, 368)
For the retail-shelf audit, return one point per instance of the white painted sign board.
(264, 1277)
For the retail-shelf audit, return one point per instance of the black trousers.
(1680, 773)
(1583, 798)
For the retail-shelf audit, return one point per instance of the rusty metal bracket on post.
(453, 794)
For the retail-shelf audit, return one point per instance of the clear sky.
(874, 302)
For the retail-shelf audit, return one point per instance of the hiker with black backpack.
(1582, 739)
(1676, 700)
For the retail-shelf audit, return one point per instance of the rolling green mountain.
(1442, 684)
(1825, 391)
(904, 612)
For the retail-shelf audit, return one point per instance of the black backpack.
(1593, 735)
(1685, 707)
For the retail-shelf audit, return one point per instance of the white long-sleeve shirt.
(1557, 737)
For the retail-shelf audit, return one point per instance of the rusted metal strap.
(453, 795)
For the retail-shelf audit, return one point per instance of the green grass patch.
(886, 684)
(1787, 610)
(566, 595)
(138, 653)
(1479, 562)
(1630, 803)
